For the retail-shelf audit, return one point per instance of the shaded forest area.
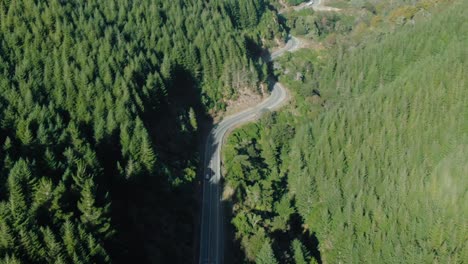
(101, 104)
(368, 163)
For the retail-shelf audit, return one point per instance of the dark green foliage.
(100, 106)
(254, 168)
(22, 219)
(246, 13)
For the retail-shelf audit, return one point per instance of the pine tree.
(52, 246)
(93, 216)
(266, 256)
(301, 256)
(19, 182)
(10, 260)
(6, 234)
(43, 192)
(193, 119)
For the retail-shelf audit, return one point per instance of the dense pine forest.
(104, 106)
(368, 163)
(101, 105)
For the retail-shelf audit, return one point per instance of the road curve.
(293, 44)
(212, 237)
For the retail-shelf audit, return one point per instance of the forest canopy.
(99, 104)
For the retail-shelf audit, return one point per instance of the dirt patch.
(228, 192)
(283, 4)
(246, 99)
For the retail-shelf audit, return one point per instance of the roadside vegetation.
(368, 162)
(355, 20)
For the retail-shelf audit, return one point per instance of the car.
(207, 176)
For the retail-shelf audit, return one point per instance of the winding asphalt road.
(212, 237)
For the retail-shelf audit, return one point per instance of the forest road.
(212, 227)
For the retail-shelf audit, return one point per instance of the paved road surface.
(293, 44)
(212, 237)
(317, 5)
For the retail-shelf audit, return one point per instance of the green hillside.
(379, 173)
(383, 176)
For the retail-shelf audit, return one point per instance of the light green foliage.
(266, 256)
(92, 216)
(284, 210)
(378, 172)
(253, 243)
(318, 25)
(378, 162)
(299, 71)
(193, 119)
(301, 255)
